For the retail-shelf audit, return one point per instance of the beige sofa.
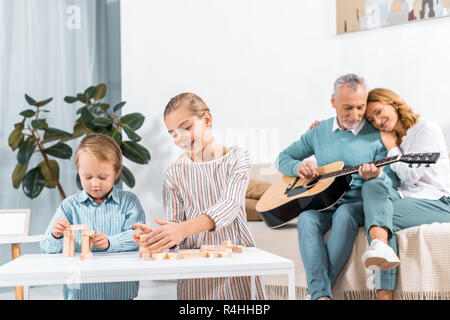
(424, 251)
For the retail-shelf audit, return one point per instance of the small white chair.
(14, 225)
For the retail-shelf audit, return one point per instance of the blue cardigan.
(328, 145)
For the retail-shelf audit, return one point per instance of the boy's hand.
(141, 229)
(100, 240)
(59, 226)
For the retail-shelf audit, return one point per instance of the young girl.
(203, 193)
(105, 209)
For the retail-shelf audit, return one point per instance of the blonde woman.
(204, 193)
(424, 193)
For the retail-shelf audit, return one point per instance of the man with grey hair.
(344, 137)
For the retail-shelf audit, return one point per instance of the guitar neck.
(351, 170)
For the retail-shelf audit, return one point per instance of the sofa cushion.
(250, 209)
(256, 189)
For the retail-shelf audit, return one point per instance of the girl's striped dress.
(216, 188)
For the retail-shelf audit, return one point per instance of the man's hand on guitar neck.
(306, 170)
(369, 171)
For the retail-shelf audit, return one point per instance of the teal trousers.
(383, 207)
(324, 261)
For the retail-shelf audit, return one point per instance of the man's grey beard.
(348, 127)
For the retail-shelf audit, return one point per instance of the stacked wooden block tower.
(69, 241)
(224, 250)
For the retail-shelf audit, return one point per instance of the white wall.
(266, 69)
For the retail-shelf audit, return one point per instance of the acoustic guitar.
(289, 196)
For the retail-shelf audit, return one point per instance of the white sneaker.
(307, 297)
(380, 256)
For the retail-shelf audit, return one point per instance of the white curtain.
(52, 48)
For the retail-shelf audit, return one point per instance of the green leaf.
(127, 177)
(81, 97)
(119, 106)
(116, 135)
(70, 99)
(28, 113)
(48, 137)
(26, 149)
(60, 150)
(104, 106)
(79, 129)
(43, 102)
(80, 110)
(100, 92)
(33, 183)
(49, 182)
(133, 136)
(18, 174)
(132, 121)
(58, 132)
(16, 137)
(30, 100)
(135, 152)
(87, 118)
(89, 93)
(39, 124)
(102, 122)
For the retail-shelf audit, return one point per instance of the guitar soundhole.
(300, 189)
(312, 182)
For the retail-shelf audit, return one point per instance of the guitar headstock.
(420, 157)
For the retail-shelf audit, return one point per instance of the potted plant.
(33, 135)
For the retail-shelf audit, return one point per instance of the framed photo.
(355, 15)
(14, 222)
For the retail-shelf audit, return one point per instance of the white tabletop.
(46, 269)
(20, 239)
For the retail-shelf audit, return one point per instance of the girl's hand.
(59, 226)
(141, 229)
(100, 240)
(389, 139)
(168, 235)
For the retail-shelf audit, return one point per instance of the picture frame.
(14, 222)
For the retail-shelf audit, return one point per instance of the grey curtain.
(52, 48)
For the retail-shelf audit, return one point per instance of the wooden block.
(66, 243)
(223, 254)
(194, 254)
(150, 252)
(89, 233)
(72, 244)
(172, 255)
(146, 256)
(69, 244)
(85, 244)
(75, 227)
(158, 256)
(227, 244)
(85, 256)
(238, 249)
(209, 248)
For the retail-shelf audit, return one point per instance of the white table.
(15, 241)
(46, 269)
